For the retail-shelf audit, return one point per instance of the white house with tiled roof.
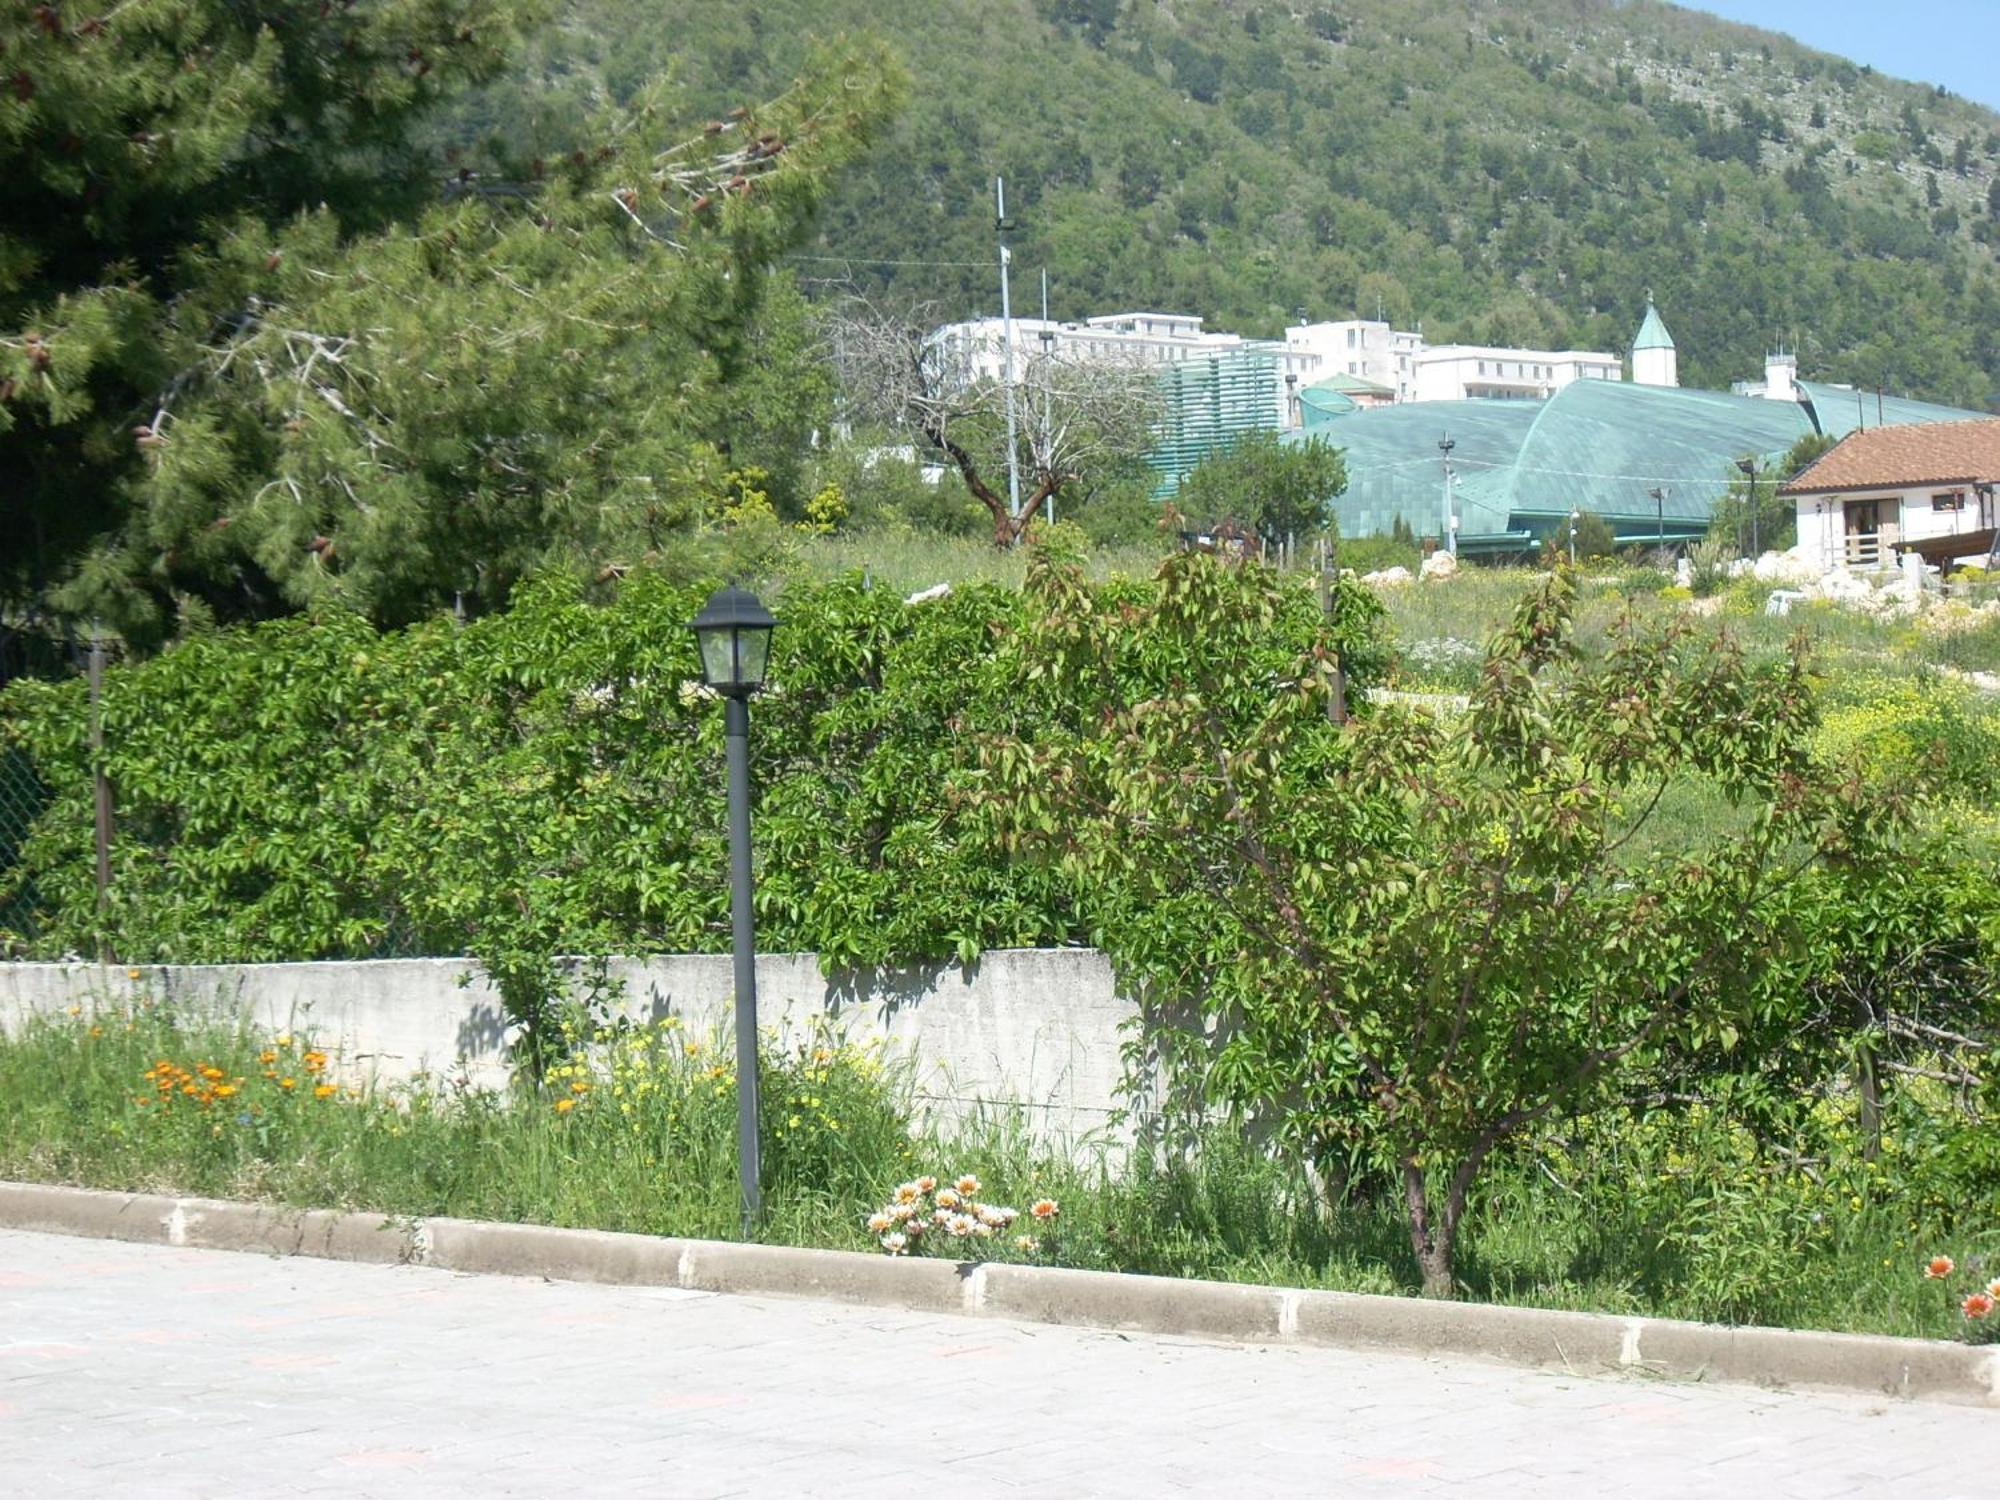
(1925, 488)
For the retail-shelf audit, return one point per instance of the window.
(1482, 367)
(1351, 336)
(1950, 501)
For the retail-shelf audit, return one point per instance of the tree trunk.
(1433, 1233)
(1869, 1086)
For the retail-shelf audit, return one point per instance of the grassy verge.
(1676, 1217)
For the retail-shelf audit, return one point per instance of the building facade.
(1472, 372)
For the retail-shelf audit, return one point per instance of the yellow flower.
(325, 1091)
(288, 1083)
(224, 1090)
(131, 973)
(579, 1087)
(564, 1106)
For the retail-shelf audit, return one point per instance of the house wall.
(1822, 519)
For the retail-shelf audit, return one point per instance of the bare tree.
(1072, 415)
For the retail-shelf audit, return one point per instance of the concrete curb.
(1580, 1343)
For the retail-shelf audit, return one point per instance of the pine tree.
(256, 351)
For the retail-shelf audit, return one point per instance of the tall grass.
(1682, 1217)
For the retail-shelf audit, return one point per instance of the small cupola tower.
(1653, 359)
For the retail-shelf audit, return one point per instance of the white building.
(1362, 349)
(1924, 488)
(1466, 372)
(976, 349)
(1368, 350)
(1780, 382)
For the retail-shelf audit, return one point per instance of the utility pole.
(1445, 445)
(1048, 419)
(1000, 228)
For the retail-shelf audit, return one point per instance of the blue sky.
(1952, 42)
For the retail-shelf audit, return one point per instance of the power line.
(862, 260)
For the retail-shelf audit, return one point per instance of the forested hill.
(1510, 171)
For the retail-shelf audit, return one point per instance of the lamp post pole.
(733, 641)
(1750, 470)
(1450, 538)
(742, 924)
(1659, 496)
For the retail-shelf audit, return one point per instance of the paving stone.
(144, 1370)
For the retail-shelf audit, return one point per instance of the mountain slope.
(1502, 170)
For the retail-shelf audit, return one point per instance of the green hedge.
(550, 780)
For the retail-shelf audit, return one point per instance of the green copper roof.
(1652, 333)
(1521, 466)
(1351, 385)
(1839, 410)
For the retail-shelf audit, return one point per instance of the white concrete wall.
(1040, 1029)
(1907, 515)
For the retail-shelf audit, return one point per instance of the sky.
(1952, 42)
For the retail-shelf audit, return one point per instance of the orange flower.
(1044, 1208)
(1940, 1267)
(579, 1087)
(1978, 1305)
(267, 1056)
(288, 1083)
(564, 1106)
(211, 1072)
(325, 1091)
(224, 1090)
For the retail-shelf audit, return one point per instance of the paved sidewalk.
(138, 1370)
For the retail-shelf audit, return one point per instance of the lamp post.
(733, 636)
(1751, 473)
(1658, 495)
(1574, 516)
(1450, 538)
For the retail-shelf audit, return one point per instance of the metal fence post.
(102, 790)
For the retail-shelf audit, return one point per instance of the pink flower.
(1978, 1305)
(1940, 1267)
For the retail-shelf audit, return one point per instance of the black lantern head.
(733, 635)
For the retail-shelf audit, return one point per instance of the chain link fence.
(22, 798)
(28, 648)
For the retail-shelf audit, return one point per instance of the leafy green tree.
(285, 363)
(1264, 482)
(1420, 937)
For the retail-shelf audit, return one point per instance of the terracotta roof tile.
(1895, 458)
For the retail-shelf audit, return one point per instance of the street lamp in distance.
(733, 638)
(1658, 495)
(1752, 473)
